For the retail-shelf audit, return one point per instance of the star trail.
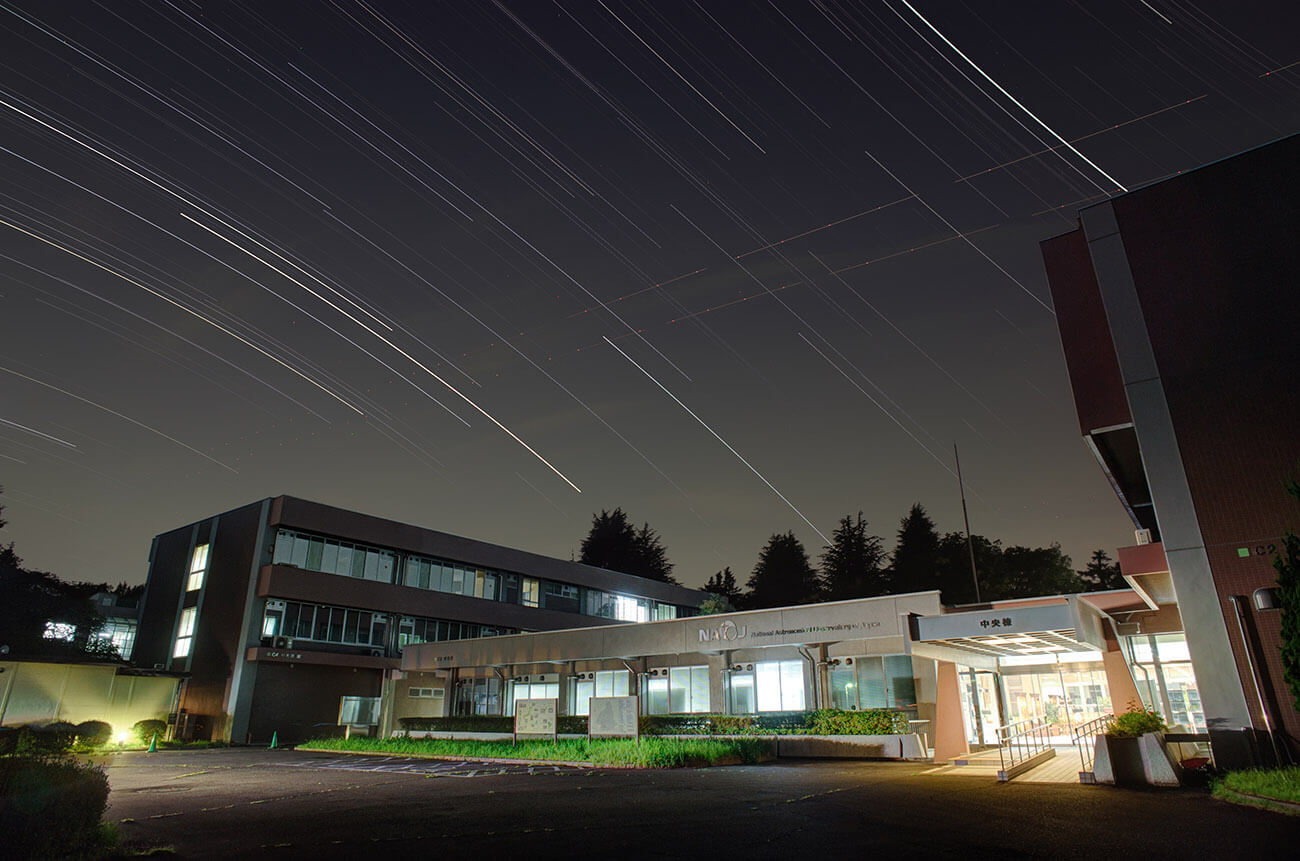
(442, 262)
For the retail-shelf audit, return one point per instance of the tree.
(915, 565)
(1101, 573)
(783, 575)
(853, 563)
(613, 543)
(953, 567)
(1287, 564)
(1023, 572)
(33, 603)
(723, 584)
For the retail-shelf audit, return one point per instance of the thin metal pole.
(1237, 601)
(970, 547)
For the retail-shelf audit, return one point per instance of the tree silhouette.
(915, 564)
(724, 585)
(783, 575)
(1101, 573)
(853, 563)
(613, 543)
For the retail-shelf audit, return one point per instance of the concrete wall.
(37, 692)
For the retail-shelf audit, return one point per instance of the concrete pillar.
(1120, 682)
(949, 723)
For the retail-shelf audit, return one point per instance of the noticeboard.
(613, 717)
(535, 717)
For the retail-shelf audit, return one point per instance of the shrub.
(8, 740)
(93, 733)
(1135, 722)
(51, 738)
(143, 731)
(819, 722)
(50, 806)
(866, 722)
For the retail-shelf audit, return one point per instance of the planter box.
(1141, 761)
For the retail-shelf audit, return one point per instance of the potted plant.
(1134, 752)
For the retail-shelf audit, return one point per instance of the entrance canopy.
(1020, 629)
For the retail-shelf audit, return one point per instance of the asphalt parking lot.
(289, 804)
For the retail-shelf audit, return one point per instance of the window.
(677, 690)
(873, 682)
(602, 683)
(198, 567)
(425, 693)
(530, 595)
(773, 686)
(185, 632)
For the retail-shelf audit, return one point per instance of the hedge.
(818, 722)
(50, 807)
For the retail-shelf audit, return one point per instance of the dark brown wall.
(1216, 261)
(158, 611)
(297, 701)
(225, 593)
(1099, 397)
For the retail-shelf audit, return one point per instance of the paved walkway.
(1062, 768)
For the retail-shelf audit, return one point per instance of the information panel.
(535, 717)
(613, 717)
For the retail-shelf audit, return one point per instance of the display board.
(535, 717)
(613, 717)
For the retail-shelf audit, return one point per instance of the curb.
(1236, 796)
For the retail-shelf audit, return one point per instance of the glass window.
(742, 692)
(844, 687)
(283, 547)
(315, 553)
(329, 561)
(299, 554)
(198, 566)
(656, 695)
(185, 632)
(530, 594)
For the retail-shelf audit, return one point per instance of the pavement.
(289, 804)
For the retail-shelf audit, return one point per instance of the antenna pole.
(970, 547)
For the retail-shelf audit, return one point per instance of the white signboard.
(613, 717)
(535, 717)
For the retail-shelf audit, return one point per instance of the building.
(1061, 661)
(1178, 311)
(285, 615)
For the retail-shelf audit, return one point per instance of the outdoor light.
(122, 736)
(1267, 598)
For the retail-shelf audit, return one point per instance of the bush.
(94, 733)
(866, 722)
(819, 722)
(50, 806)
(9, 740)
(648, 753)
(143, 731)
(1135, 722)
(51, 738)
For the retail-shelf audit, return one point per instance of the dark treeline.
(856, 564)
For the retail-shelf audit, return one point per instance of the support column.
(949, 723)
(1119, 681)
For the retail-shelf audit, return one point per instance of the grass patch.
(1281, 784)
(650, 753)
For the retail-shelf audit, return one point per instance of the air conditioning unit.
(376, 653)
(282, 642)
(1142, 536)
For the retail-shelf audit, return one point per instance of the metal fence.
(1019, 741)
(1085, 741)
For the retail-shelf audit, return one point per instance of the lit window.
(198, 566)
(185, 632)
(59, 631)
(531, 593)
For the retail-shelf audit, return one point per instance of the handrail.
(1085, 736)
(1022, 739)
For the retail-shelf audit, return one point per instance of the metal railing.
(1085, 741)
(1019, 741)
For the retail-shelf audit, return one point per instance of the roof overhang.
(1070, 625)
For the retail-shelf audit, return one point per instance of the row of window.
(873, 682)
(321, 623)
(329, 556)
(769, 686)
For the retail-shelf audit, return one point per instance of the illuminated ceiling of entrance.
(1026, 643)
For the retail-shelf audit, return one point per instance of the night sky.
(736, 268)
